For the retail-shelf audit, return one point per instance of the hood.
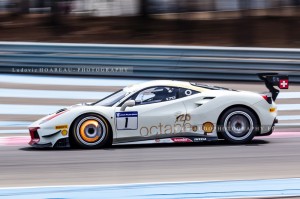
(73, 106)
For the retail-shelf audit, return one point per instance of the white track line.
(73, 81)
(209, 189)
(289, 95)
(288, 107)
(24, 93)
(289, 117)
(14, 123)
(14, 131)
(13, 109)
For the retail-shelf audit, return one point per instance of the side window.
(184, 92)
(155, 95)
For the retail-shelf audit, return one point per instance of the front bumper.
(47, 141)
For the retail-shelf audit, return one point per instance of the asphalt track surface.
(264, 158)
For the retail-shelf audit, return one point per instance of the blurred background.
(54, 70)
(267, 23)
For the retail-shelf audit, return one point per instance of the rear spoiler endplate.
(274, 79)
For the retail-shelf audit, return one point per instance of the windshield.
(111, 99)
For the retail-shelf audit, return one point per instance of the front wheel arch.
(110, 132)
(220, 136)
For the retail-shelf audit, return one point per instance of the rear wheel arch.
(236, 106)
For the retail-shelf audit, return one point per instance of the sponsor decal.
(181, 125)
(64, 132)
(181, 140)
(61, 127)
(171, 98)
(164, 129)
(127, 120)
(183, 118)
(208, 127)
(127, 114)
(199, 139)
(194, 128)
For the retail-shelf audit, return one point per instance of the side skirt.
(185, 139)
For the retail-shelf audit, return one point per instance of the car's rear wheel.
(238, 125)
(91, 131)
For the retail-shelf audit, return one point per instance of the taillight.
(267, 98)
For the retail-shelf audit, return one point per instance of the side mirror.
(129, 103)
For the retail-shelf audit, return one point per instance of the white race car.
(161, 112)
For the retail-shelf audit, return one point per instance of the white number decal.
(127, 120)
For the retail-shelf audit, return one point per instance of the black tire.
(90, 131)
(238, 125)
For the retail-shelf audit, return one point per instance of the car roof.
(170, 83)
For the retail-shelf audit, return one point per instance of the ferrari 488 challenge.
(163, 111)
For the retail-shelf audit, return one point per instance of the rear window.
(184, 92)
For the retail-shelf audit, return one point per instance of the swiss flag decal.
(283, 84)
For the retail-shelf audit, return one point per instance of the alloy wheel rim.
(238, 125)
(91, 131)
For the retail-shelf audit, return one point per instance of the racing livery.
(163, 111)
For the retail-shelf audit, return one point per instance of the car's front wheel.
(90, 131)
(238, 125)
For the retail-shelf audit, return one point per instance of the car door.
(155, 115)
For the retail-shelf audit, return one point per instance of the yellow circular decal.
(208, 127)
(64, 132)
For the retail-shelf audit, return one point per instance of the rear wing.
(274, 79)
